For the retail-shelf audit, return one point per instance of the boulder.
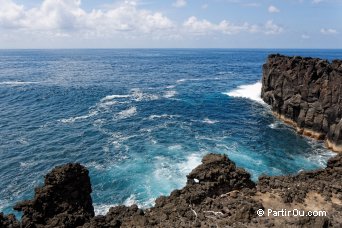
(63, 201)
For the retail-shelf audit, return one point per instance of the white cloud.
(66, 21)
(273, 9)
(203, 26)
(10, 13)
(67, 17)
(198, 26)
(272, 28)
(328, 31)
(179, 3)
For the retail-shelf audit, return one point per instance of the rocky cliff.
(217, 194)
(306, 93)
(63, 201)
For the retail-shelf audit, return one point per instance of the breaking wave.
(252, 92)
(126, 113)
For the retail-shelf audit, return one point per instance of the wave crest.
(252, 92)
(127, 113)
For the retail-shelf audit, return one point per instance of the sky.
(171, 24)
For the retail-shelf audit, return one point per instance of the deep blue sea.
(140, 120)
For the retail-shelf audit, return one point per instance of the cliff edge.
(217, 194)
(306, 93)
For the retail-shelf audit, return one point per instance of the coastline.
(309, 133)
(330, 145)
(217, 194)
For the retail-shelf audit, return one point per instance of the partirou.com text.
(293, 212)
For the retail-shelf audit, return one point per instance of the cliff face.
(217, 194)
(307, 93)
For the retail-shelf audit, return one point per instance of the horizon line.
(171, 48)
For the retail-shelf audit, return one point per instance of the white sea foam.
(273, 125)
(111, 100)
(276, 125)
(192, 79)
(192, 161)
(138, 95)
(216, 138)
(209, 121)
(17, 83)
(99, 122)
(170, 93)
(301, 170)
(23, 141)
(112, 97)
(181, 80)
(130, 200)
(107, 104)
(174, 173)
(164, 116)
(164, 170)
(95, 165)
(251, 92)
(118, 138)
(102, 209)
(175, 147)
(126, 113)
(319, 154)
(28, 164)
(78, 118)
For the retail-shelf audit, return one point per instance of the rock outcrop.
(306, 93)
(217, 194)
(8, 221)
(63, 201)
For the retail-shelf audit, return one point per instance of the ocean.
(140, 119)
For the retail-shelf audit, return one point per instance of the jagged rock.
(63, 201)
(306, 93)
(192, 205)
(217, 194)
(8, 221)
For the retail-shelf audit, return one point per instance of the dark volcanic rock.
(306, 92)
(326, 182)
(215, 176)
(217, 194)
(197, 203)
(8, 221)
(63, 201)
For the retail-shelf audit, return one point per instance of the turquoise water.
(140, 120)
